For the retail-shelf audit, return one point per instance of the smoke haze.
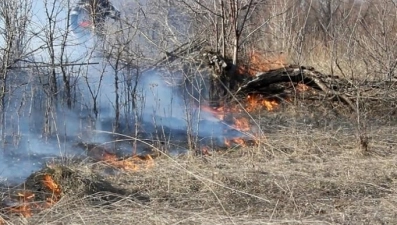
(149, 97)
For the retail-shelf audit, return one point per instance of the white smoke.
(158, 103)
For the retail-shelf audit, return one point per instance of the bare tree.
(14, 17)
(229, 23)
(54, 36)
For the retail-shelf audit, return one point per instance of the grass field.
(310, 168)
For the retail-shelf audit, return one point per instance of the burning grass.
(310, 169)
(237, 117)
(25, 203)
(45, 188)
(134, 163)
(130, 163)
(305, 173)
(256, 102)
(52, 186)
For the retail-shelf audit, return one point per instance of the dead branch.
(298, 74)
(52, 65)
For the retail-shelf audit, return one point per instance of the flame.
(109, 157)
(235, 142)
(239, 141)
(50, 184)
(26, 199)
(134, 163)
(205, 151)
(25, 205)
(241, 124)
(301, 87)
(253, 102)
(25, 196)
(256, 102)
(270, 105)
(217, 112)
(23, 209)
(260, 63)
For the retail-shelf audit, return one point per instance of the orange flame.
(239, 141)
(300, 87)
(134, 163)
(205, 151)
(241, 124)
(256, 102)
(23, 209)
(25, 196)
(235, 142)
(217, 112)
(109, 157)
(27, 205)
(49, 183)
(259, 63)
(253, 102)
(270, 105)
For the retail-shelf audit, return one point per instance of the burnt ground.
(317, 164)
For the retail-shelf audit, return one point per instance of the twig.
(52, 65)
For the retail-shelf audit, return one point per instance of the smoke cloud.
(156, 102)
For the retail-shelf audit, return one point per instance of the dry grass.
(309, 170)
(338, 59)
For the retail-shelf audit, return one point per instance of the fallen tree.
(282, 83)
(331, 86)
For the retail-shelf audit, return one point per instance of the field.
(322, 142)
(310, 168)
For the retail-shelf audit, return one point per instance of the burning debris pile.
(264, 83)
(298, 79)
